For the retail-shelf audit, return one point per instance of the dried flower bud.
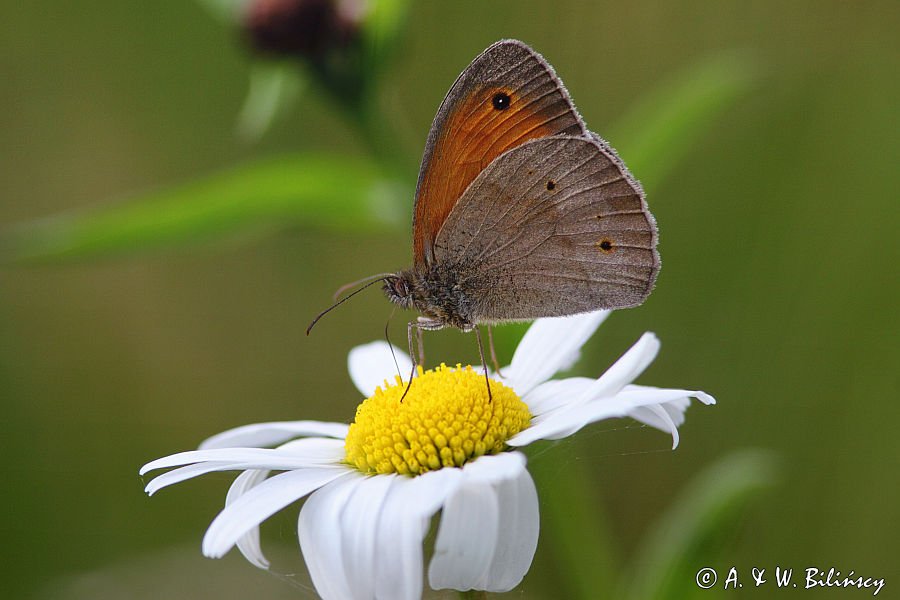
(306, 28)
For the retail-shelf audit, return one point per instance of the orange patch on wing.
(475, 134)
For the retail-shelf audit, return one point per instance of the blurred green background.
(778, 291)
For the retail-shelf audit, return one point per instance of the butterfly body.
(521, 212)
(439, 293)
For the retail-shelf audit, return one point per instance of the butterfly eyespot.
(606, 245)
(500, 101)
(551, 184)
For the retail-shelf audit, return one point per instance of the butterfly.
(520, 211)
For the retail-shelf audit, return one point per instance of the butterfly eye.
(400, 288)
(500, 101)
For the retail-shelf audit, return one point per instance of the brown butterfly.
(520, 211)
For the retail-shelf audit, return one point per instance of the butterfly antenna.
(353, 284)
(338, 303)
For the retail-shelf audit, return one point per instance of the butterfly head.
(399, 289)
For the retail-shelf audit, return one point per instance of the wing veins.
(542, 207)
(545, 275)
(509, 207)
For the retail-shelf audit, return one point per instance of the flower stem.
(379, 138)
(356, 99)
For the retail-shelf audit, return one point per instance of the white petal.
(370, 364)
(319, 529)
(468, 537)
(248, 543)
(315, 450)
(638, 394)
(669, 414)
(567, 421)
(405, 517)
(518, 533)
(359, 529)
(261, 502)
(556, 393)
(669, 424)
(548, 346)
(625, 370)
(311, 453)
(184, 473)
(674, 409)
(192, 456)
(260, 435)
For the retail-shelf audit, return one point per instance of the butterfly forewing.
(507, 96)
(555, 226)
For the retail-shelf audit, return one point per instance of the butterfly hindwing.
(556, 226)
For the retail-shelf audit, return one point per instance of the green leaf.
(273, 89)
(226, 10)
(319, 191)
(690, 536)
(660, 130)
(382, 28)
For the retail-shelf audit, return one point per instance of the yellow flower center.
(445, 420)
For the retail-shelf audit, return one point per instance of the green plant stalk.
(380, 140)
(574, 523)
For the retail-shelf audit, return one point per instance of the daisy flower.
(373, 487)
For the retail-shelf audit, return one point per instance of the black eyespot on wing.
(606, 245)
(551, 185)
(500, 101)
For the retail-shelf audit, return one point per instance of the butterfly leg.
(487, 380)
(412, 355)
(421, 341)
(493, 352)
(418, 325)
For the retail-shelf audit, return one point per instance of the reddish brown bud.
(307, 28)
